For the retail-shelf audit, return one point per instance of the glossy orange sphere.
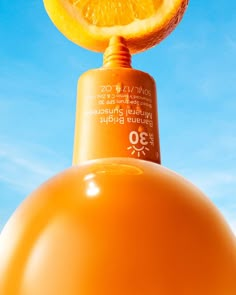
(117, 226)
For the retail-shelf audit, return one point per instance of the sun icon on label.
(138, 139)
(139, 151)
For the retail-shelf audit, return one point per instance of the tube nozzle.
(117, 54)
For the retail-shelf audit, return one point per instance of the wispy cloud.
(211, 166)
(231, 42)
(219, 186)
(216, 184)
(230, 215)
(25, 167)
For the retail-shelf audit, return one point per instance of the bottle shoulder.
(116, 72)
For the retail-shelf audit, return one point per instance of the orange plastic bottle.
(116, 225)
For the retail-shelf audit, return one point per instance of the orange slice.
(91, 23)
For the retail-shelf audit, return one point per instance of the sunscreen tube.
(116, 113)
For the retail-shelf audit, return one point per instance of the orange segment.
(90, 24)
(115, 13)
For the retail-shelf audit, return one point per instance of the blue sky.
(195, 71)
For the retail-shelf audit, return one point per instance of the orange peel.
(91, 24)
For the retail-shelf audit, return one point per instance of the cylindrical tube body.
(116, 115)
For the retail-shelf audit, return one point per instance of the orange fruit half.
(91, 23)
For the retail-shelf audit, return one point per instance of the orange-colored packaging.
(116, 113)
(117, 225)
